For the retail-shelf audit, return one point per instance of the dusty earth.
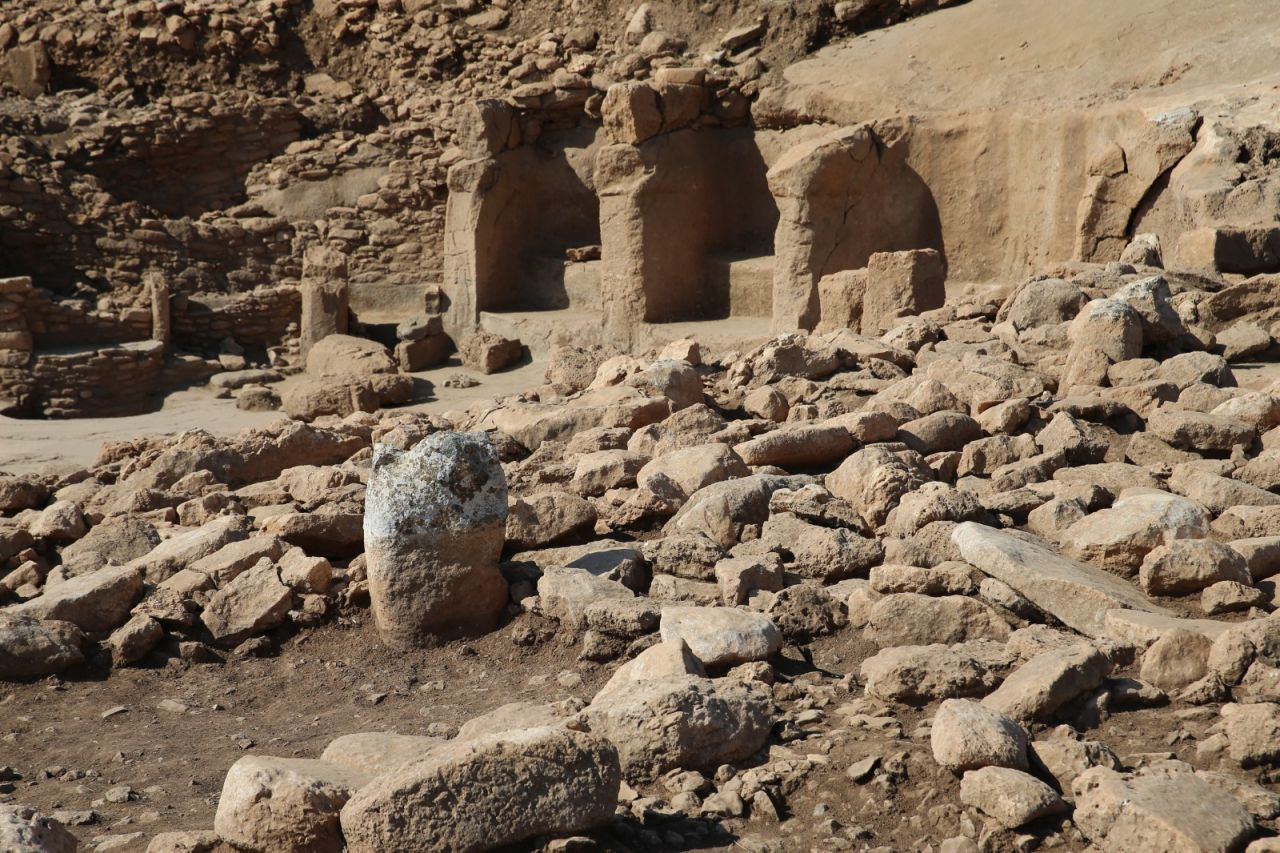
(28, 446)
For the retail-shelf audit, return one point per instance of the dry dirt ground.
(168, 731)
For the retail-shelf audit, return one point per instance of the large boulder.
(656, 663)
(565, 593)
(1177, 659)
(98, 601)
(487, 792)
(820, 553)
(434, 526)
(31, 648)
(686, 722)
(1189, 565)
(284, 805)
(312, 397)
(689, 469)
(489, 353)
(1253, 732)
(1165, 807)
(1199, 431)
(375, 753)
(24, 830)
(968, 736)
(1077, 594)
(345, 355)
(901, 283)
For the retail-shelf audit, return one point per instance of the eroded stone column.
(161, 319)
(469, 241)
(473, 243)
(434, 526)
(620, 176)
(816, 185)
(325, 296)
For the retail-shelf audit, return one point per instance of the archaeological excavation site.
(556, 426)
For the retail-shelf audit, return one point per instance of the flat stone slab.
(1076, 593)
(1141, 629)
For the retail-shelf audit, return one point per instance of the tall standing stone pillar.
(161, 319)
(620, 176)
(325, 297)
(817, 184)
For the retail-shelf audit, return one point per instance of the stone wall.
(255, 320)
(97, 381)
(163, 190)
(66, 358)
(188, 155)
(55, 322)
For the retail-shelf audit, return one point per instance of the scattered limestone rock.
(1253, 732)
(1076, 593)
(906, 619)
(1177, 659)
(1011, 797)
(920, 674)
(1165, 807)
(255, 602)
(30, 647)
(665, 660)
(690, 723)
(286, 804)
(968, 736)
(98, 601)
(1119, 538)
(547, 518)
(24, 830)
(1042, 685)
(721, 636)
(516, 784)
(1189, 565)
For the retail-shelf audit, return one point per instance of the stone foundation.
(97, 381)
(62, 358)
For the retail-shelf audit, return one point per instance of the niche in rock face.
(542, 205)
(842, 197)
(693, 203)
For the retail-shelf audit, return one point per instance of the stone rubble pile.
(1020, 519)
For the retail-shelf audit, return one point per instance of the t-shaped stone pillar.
(325, 297)
(161, 320)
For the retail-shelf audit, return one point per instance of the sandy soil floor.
(39, 445)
